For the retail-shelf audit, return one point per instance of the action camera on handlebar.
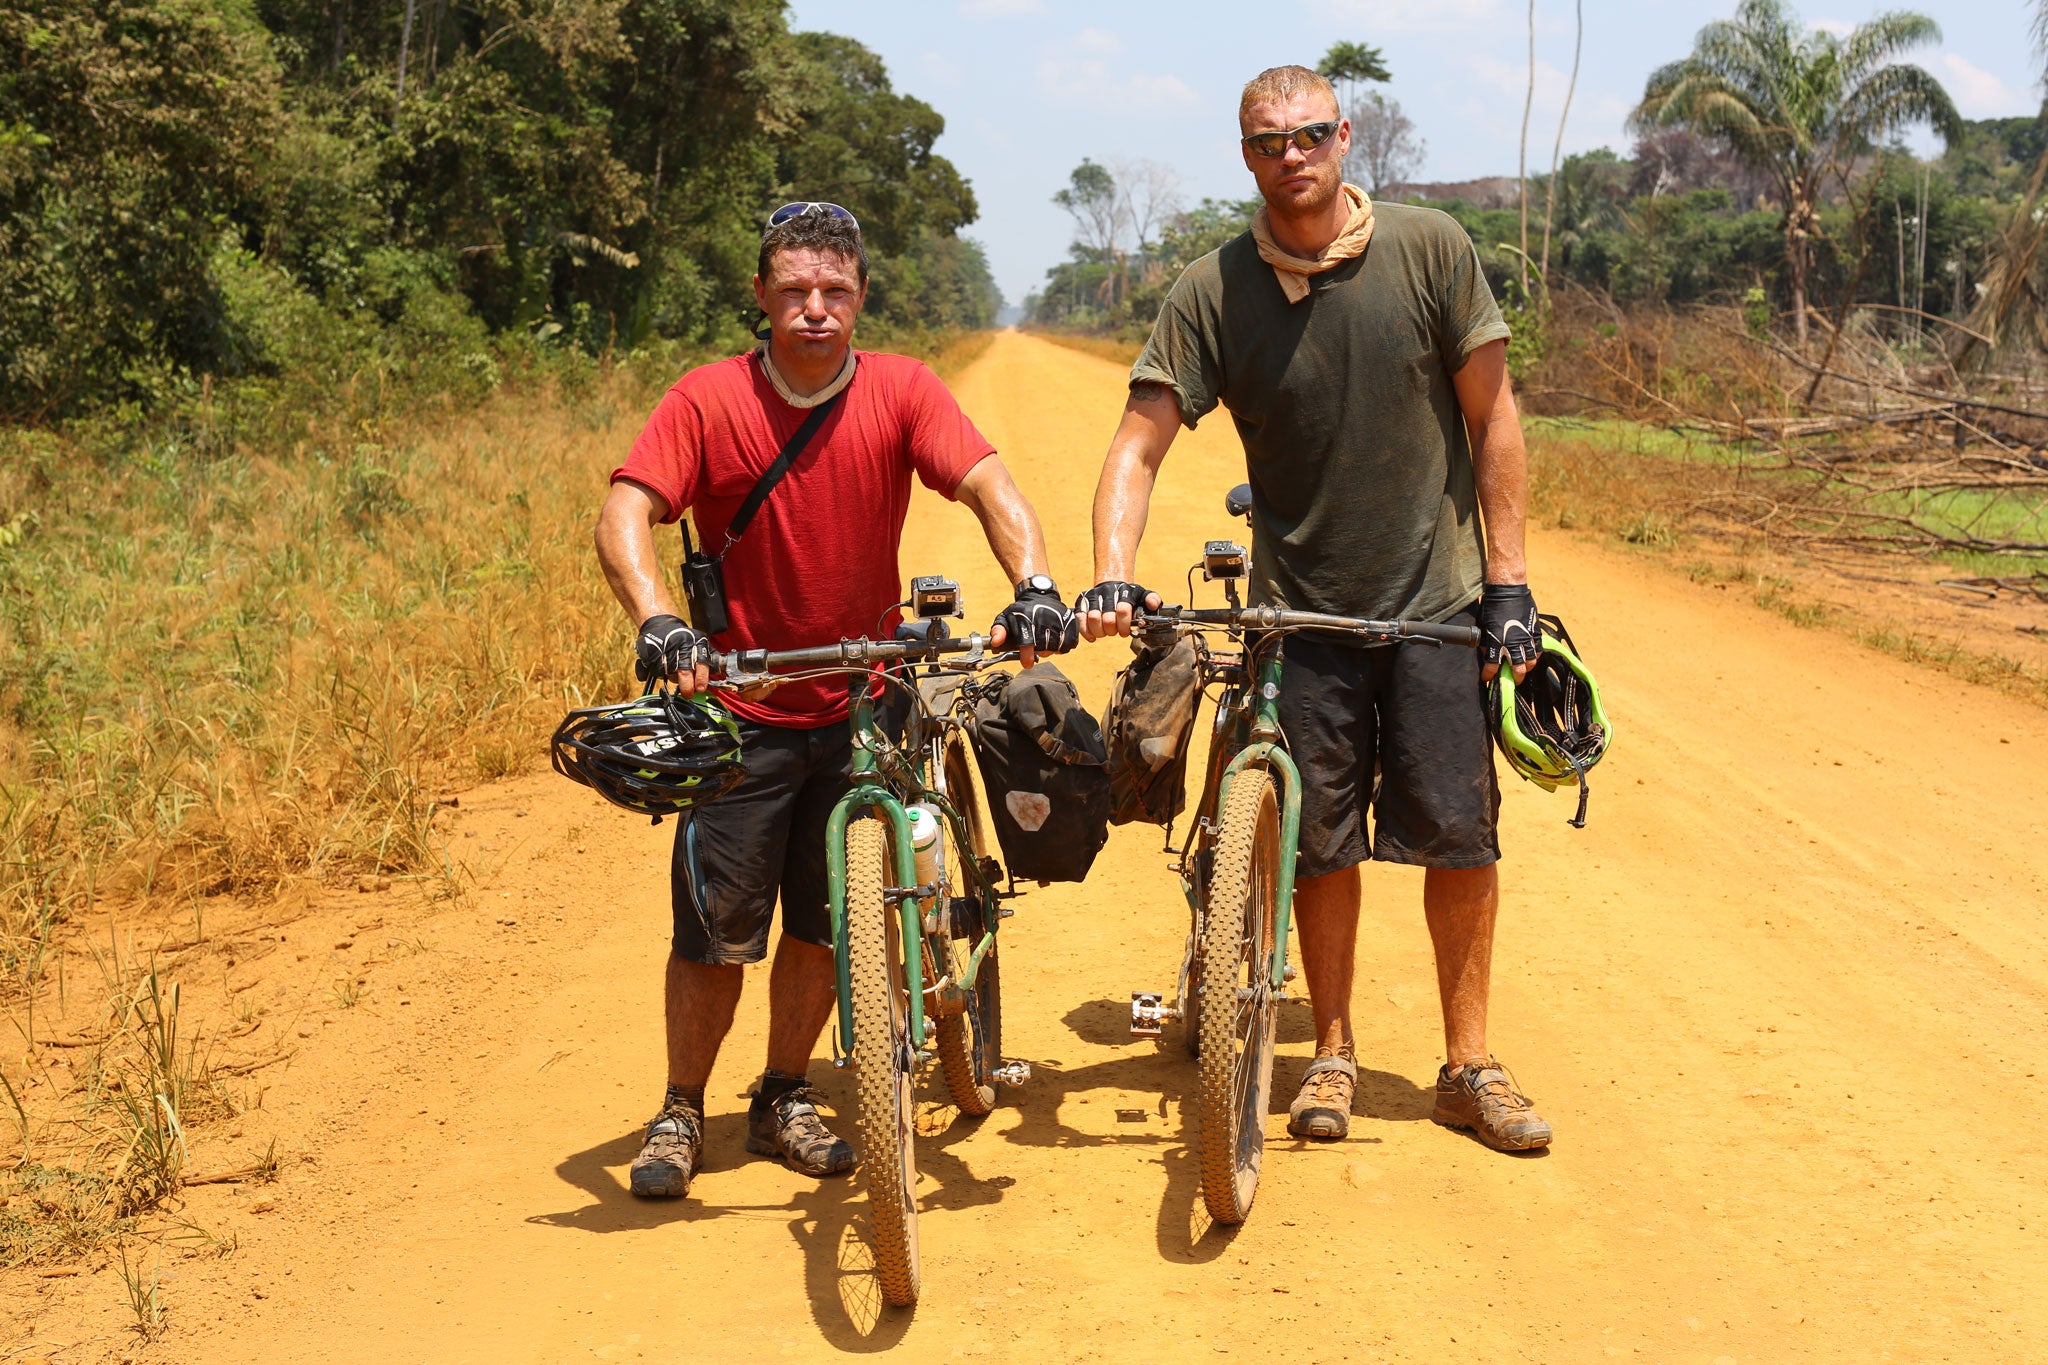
(932, 596)
(1222, 559)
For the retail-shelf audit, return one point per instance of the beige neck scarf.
(840, 381)
(1293, 271)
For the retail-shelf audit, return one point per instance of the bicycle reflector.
(657, 755)
(1550, 726)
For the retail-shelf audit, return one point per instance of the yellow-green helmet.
(660, 754)
(1551, 726)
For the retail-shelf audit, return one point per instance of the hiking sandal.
(1323, 1108)
(1481, 1096)
(669, 1156)
(789, 1128)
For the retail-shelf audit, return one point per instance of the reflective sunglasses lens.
(1310, 136)
(789, 211)
(1268, 144)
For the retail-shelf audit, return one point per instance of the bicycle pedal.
(1012, 1074)
(1148, 1014)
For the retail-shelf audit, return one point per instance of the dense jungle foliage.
(1678, 221)
(201, 189)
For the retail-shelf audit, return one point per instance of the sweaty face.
(811, 298)
(1298, 184)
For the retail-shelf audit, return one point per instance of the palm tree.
(1799, 105)
(2009, 292)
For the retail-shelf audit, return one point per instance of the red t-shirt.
(818, 562)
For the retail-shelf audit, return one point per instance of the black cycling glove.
(1039, 620)
(1106, 597)
(1507, 624)
(666, 647)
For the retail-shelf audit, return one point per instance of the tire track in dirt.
(1783, 1002)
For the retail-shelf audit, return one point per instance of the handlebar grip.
(1467, 636)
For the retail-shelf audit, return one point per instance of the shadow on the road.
(824, 1219)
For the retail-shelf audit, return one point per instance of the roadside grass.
(223, 674)
(1119, 349)
(1643, 495)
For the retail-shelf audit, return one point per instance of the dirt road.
(1782, 1000)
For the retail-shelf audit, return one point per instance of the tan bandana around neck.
(840, 381)
(1293, 271)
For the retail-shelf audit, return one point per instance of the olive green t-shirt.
(1362, 489)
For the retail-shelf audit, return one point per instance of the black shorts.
(763, 838)
(1400, 728)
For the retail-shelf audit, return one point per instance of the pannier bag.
(1043, 762)
(1151, 718)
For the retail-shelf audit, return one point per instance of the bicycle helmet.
(1551, 726)
(657, 755)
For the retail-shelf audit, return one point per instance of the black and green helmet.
(1551, 726)
(657, 755)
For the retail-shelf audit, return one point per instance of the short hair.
(814, 230)
(1280, 83)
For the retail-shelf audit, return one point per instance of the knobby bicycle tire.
(970, 1044)
(1238, 1007)
(883, 1060)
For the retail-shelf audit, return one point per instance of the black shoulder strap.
(791, 448)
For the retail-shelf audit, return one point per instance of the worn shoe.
(1323, 1108)
(788, 1127)
(1481, 1096)
(668, 1158)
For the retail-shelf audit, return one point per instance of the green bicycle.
(915, 900)
(1237, 866)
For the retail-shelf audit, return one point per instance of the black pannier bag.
(1043, 762)
(1148, 725)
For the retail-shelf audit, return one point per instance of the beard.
(1329, 183)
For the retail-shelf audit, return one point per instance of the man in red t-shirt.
(816, 564)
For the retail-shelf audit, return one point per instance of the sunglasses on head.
(801, 207)
(1308, 137)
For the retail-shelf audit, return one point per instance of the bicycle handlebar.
(861, 653)
(1280, 619)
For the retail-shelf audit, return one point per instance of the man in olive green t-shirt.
(1363, 360)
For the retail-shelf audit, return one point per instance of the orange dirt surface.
(1783, 1001)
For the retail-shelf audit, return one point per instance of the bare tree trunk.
(1795, 260)
(434, 27)
(1522, 166)
(404, 50)
(1557, 148)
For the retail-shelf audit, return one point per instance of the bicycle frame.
(887, 780)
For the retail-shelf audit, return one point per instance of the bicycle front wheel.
(884, 1059)
(1238, 1008)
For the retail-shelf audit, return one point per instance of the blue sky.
(1029, 87)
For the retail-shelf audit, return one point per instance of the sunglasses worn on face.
(798, 209)
(1308, 137)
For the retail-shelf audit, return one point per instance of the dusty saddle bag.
(1147, 728)
(1046, 771)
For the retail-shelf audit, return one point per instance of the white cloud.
(1080, 74)
(1841, 28)
(1000, 9)
(1978, 93)
(1099, 41)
